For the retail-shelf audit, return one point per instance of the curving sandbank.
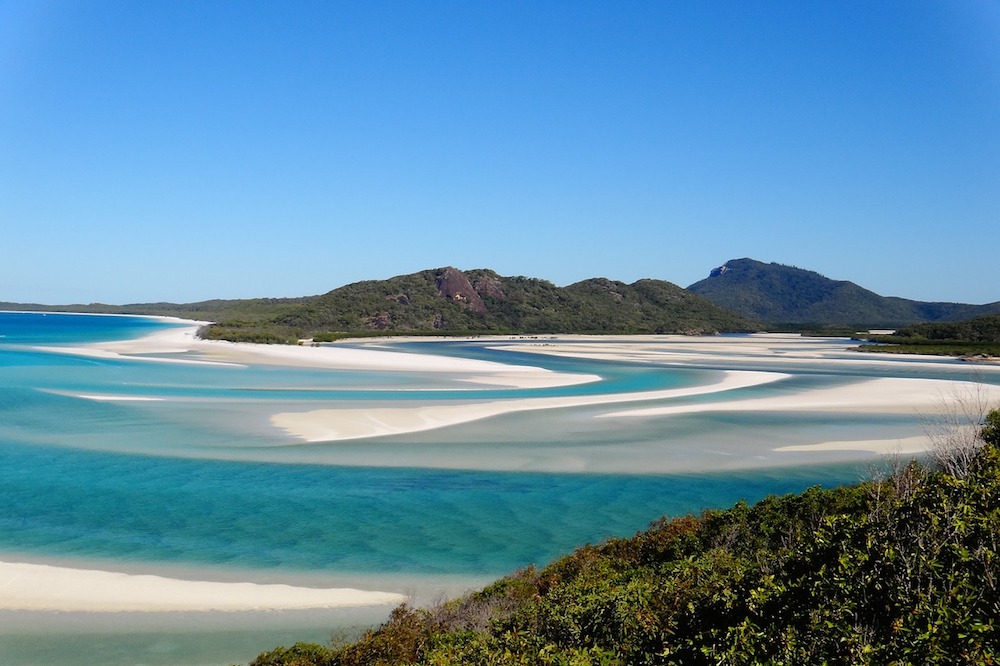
(41, 587)
(338, 424)
(184, 346)
(879, 395)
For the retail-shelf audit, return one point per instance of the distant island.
(448, 301)
(741, 295)
(790, 298)
(786, 297)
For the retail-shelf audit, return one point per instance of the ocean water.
(196, 480)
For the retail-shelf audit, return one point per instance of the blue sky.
(188, 150)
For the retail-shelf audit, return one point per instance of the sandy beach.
(183, 346)
(40, 587)
(328, 425)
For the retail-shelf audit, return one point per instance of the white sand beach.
(776, 351)
(328, 425)
(881, 395)
(184, 346)
(41, 587)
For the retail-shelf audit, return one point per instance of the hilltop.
(451, 301)
(780, 294)
(742, 295)
(448, 301)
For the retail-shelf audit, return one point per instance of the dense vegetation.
(446, 301)
(449, 301)
(785, 295)
(974, 337)
(900, 570)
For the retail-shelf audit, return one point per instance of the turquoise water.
(200, 481)
(359, 520)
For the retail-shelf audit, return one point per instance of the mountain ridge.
(736, 297)
(781, 294)
(449, 300)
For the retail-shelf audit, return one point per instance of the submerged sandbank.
(884, 395)
(338, 424)
(751, 354)
(41, 587)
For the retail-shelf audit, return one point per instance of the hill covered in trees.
(447, 301)
(742, 295)
(901, 570)
(779, 294)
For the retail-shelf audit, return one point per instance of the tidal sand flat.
(184, 477)
(40, 587)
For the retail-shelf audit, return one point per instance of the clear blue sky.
(185, 150)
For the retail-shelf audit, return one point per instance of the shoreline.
(43, 587)
(184, 340)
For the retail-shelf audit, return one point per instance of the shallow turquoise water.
(200, 480)
(63, 502)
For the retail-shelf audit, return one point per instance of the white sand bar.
(880, 395)
(328, 425)
(40, 587)
(184, 346)
(904, 446)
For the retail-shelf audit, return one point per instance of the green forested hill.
(448, 300)
(736, 297)
(780, 294)
(904, 570)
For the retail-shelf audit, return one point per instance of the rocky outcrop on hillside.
(454, 285)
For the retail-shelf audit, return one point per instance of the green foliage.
(447, 301)
(902, 570)
(786, 295)
(300, 654)
(974, 337)
(985, 329)
(245, 332)
(990, 433)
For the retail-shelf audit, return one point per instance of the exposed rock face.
(454, 285)
(716, 272)
(380, 321)
(490, 286)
